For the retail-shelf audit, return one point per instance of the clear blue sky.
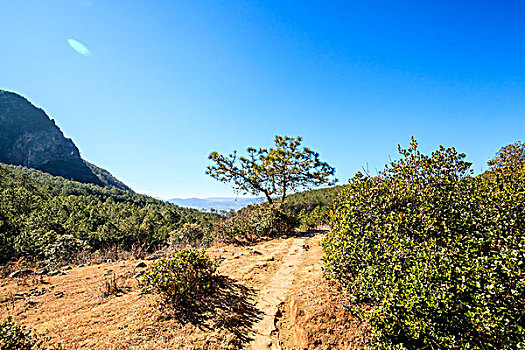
(168, 82)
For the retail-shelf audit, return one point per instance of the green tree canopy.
(277, 171)
(510, 155)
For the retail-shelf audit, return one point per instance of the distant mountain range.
(30, 138)
(218, 203)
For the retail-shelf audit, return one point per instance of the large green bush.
(184, 280)
(432, 257)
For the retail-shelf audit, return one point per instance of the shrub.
(17, 337)
(184, 280)
(432, 257)
(188, 235)
(65, 248)
(255, 223)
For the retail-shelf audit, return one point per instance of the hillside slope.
(106, 177)
(48, 217)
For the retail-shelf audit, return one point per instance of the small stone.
(108, 261)
(21, 273)
(54, 273)
(138, 274)
(64, 268)
(83, 265)
(41, 272)
(153, 257)
(140, 264)
(222, 250)
(59, 294)
(255, 252)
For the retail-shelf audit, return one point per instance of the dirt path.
(273, 294)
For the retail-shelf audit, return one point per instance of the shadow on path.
(231, 307)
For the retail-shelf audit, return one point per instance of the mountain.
(218, 203)
(30, 138)
(106, 178)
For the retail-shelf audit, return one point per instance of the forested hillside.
(48, 217)
(313, 198)
(312, 207)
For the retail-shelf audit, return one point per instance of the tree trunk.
(269, 198)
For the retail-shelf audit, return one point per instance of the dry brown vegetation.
(274, 287)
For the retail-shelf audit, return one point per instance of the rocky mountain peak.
(29, 137)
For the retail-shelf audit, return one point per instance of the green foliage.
(190, 235)
(509, 156)
(312, 207)
(16, 337)
(276, 171)
(183, 280)
(255, 223)
(310, 219)
(313, 198)
(432, 257)
(47, 217)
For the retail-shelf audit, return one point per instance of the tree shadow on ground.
(250, 242)
(230, 307)
(306, 234)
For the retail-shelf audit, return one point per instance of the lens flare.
(79, 47)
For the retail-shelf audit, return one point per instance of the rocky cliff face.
(30, 138)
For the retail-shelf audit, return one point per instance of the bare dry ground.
(271, 296)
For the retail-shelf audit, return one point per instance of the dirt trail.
(273, 294)
(270, 269)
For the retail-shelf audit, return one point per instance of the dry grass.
(101, 306)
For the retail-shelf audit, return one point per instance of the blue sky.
(168, 82)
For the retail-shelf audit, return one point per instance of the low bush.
(432, 257)
(255, 223)
(189, 235)
(184, 280)
(17, 337)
